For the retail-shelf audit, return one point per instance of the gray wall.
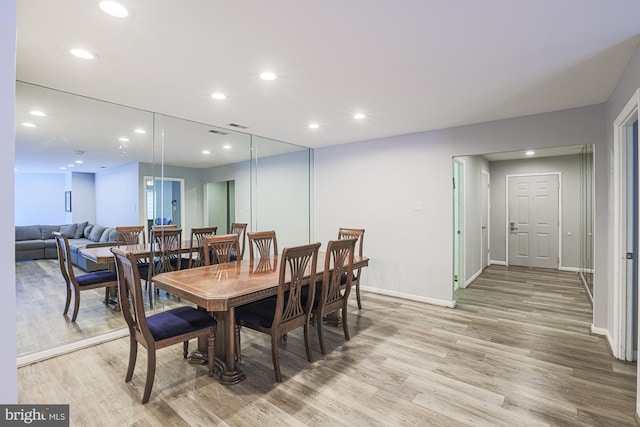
(412, 251)
(569, 167)
(8, 372)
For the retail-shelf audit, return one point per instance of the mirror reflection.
(124, 167)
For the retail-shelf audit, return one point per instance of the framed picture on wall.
(67, 201)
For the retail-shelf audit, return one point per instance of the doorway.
(458, 224)
(220, 205)
(163, 201)
(533, 220)
(484, 219)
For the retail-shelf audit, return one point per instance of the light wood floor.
(516, 351)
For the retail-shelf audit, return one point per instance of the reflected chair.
(286, 312)
(76, 284)
(219, 249)
(332, 296)
(196, 257)
(262, 241)
(178, 325)
(241, 230)
(130, 235)
(165, 255)
(357, 233)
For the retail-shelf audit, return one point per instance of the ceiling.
(410, 66)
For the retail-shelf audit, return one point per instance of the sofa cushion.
(87, 231)
(79, 234)
(96, 233)
(69, 230)
(27, 232)
(107, 234)
(26, 245)
(46, 231)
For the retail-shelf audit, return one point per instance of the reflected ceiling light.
(530, 153)
(79, 162)
(314, 126)
(123, 139)
(28, 125)
(82, 53)
(140, 131)
(218, 95)
(359, 116)
(71, 166)
(268, 75)
(226, 146)
(206, 152)
(37, 113)
(114, 8)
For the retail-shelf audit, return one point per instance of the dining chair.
(218, 249)
(286, 312)
(178, 325)
(130, 235)
(196, 257)
(163, 221)
(76, 284)
(241, 230)
(357, 233)
(165, 255)
(331, 296)
(262, 241)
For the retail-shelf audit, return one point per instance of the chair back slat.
(350, 233)
(295, 264)
(338, 264)
(166, 250)
(197, 241)
(130, 235)
(240, 229)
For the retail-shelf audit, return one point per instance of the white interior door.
(533, 220)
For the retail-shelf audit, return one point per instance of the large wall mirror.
(124, 166)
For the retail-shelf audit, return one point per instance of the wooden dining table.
(220, 288)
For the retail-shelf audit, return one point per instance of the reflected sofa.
(37, 242)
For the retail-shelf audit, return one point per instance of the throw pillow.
(96, 233)
(106, 233)
(69, 230)
(80, 230)
(87, 230)
(47, 231)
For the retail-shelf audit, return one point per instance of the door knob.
(512, 227)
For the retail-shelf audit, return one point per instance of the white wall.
(411, 252)
(83, 199)
(117, 196)
(240, 173)
(39, 198)
(8, 371)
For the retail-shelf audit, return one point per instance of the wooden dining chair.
(76, 284)
(332, 296)
(131, 235)
(196, 256)
(263, 241)
(165, 255)
(219, 249)
(357, 233)
(178, 325)
(286, 312)
(241, 230)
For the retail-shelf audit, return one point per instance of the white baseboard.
(472, 278)
(494, 262)
(572, 269)
(39, 356)
(604, 333)
(432, 301)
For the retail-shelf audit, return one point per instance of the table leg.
(232, 374)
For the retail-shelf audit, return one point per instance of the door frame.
(506, 216)
(619, 271)
(459, 227)
(486, 251)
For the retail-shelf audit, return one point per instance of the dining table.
(220, 288)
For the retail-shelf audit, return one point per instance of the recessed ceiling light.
(79, 162)
(359, 116)
(37, 113)
(226, 146)
(140, 131)
(114, 8)
(78, 152)
(530, 153)
(206, 152)
(218, 95)
(314, 126)
(123, 139)
(268, 75)
(62, 168)
(82, 53)
(71, 166)
(28, 125)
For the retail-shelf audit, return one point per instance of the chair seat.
(178, 321)
(258, 313)
(97, 277)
